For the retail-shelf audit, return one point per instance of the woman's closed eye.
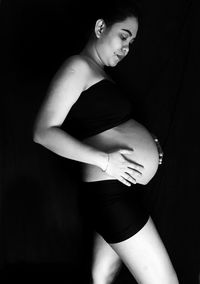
(124, 37)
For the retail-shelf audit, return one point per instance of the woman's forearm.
(63, 144)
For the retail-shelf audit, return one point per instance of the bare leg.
(146, 257)
(106, 262)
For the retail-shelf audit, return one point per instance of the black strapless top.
(99, 108)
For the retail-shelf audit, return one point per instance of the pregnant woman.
(87, 118)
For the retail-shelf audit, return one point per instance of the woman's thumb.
(126, 151)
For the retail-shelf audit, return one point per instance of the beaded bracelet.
(160, 151)
(107, 163)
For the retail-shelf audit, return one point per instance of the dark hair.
(112, 12)
(119, 11)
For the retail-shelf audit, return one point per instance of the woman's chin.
(113, 63)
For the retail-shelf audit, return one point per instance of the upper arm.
(65, 89)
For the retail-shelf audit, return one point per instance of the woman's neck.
(91, 53)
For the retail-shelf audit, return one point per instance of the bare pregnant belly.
(130, 134)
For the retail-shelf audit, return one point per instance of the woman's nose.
(125, 50)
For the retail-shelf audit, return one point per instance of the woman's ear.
(99, 27)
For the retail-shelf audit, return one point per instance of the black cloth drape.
(41, 228)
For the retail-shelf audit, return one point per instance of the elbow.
(36, 139)
(37, 136)
(41, 135)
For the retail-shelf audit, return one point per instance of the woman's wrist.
(106, 165)
(103, 160)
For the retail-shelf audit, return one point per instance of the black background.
(41, 228)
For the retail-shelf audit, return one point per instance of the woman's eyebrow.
(130, 34)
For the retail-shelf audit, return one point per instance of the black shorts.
(113, 209)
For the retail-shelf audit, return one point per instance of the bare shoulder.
(72, 77)
(64, 90)
(78, 61)
(74, 64)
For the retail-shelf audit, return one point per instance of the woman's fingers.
(126, 151)
(132, 165)
(128, 178)
(124, 181)
(134, 173)
(125, 170)
(136, 167)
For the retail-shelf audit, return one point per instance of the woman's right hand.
(123, 169)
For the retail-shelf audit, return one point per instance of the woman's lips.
(120, 57)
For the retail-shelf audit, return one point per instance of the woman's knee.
(173, 279)
(106, 271)
(106, 262)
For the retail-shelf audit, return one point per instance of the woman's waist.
(128, 135)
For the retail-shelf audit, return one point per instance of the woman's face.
(113, 42)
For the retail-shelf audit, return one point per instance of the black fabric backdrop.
(41, 228)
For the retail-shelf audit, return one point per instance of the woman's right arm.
(63, 93)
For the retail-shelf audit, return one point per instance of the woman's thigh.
(106, 262)
(146, 257)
